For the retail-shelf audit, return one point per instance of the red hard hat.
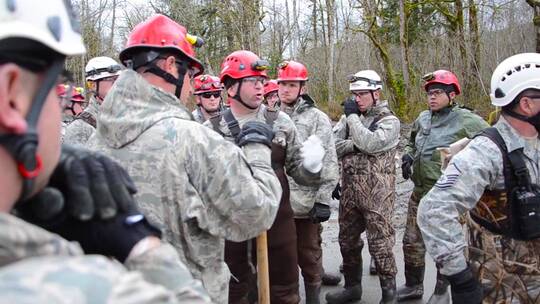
(443, 77)
(162, 33)
(241, 64)
(207, 83)
(270, 86)
(292, 71)
(61, 90)
(77, 93)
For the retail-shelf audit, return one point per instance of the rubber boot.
(312, 293)
(353, 286)
(329, 279)
(372, 267)
(414, 284)
(388, 290)
(440, 294)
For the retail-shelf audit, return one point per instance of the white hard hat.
(513, 76)
(365, 80)
(51, 23)
(101, 67)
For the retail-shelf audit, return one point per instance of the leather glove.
(86, 185)
(350, 107)
(319, 213)
(255, 132)
(336, 194)
(406, 164)
(114, 237)
(465, 287)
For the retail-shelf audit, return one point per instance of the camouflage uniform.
(40, 267)
(66, 120)
(198, 115)
(311, 121)
(282, 251)
(508, 269)
(430, 131)
(366, 145)
(83, 126)
(195, 186)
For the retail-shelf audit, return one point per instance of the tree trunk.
(535, 4)
(330, 6)
(403, 43)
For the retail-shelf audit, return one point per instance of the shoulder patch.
(449, 177)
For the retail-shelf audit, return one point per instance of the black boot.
(312, 293)
(353, 286)
(388, 288)
(372, 267)
(440, 294)
(329, 279)
(414, 284)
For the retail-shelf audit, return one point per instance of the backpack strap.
(215, 120)
(88, 118)
(232, 123)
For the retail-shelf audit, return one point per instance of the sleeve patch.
(449, 178)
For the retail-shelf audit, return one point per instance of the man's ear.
(13, 102)
(452, 95)
(170, 66)
(303, 89)
(231, 91)
(525, 106)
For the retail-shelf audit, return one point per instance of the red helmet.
(270, 86)
(161, 33)
(77, 93)
(241, 64)
(292, 71)
(443, 77)
(207, 83)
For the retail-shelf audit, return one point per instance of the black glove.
(114, 237)
(350, 107)
(319, 213)
(88, 185)
(336, 194)
(255, 132)
(406, 164)
(465, 288)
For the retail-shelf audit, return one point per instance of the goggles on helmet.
(428, 77)
(353, 78)
(260, 65)
(110, 69)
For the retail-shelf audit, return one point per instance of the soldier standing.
(101, 73)
(87, 196)
(271, 98)
(199, 188)
(309, 203)
(243, 73)
(207, 96)
(443, 124)
(366, 141)
(496, 178)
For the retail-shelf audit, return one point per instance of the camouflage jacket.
(311, 121)
(285, 135)
(353, 134)
(40, 267)
(196, 186)
(79, 131)
(66, 120)
(477, 167)
(198, 115)
(432, 130)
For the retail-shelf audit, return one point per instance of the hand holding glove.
(312, 153)
(350, 107)
(255, 132)
(465, 288)
(406, 165)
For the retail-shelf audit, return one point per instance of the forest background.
(400, 39)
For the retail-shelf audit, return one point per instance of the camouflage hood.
(133, 106)
(303, 103)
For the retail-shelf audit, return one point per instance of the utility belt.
(515, 211)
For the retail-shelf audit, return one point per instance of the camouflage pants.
(508, 269)
(309, 250)
(414, 250)
(367, 204)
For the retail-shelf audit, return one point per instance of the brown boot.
(388, 288)
(329, 279)
(414, 284)
(353, 286)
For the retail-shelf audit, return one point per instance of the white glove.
(312, 153)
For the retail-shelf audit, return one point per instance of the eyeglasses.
(254, 79)
(435, 92)
(210, 94)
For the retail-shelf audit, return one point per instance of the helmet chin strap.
(237, 97)
(168, 77)
(23, 147)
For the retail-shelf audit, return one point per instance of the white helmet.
(52, 23)
(365, 80)
(101, 67)
(513, 76)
